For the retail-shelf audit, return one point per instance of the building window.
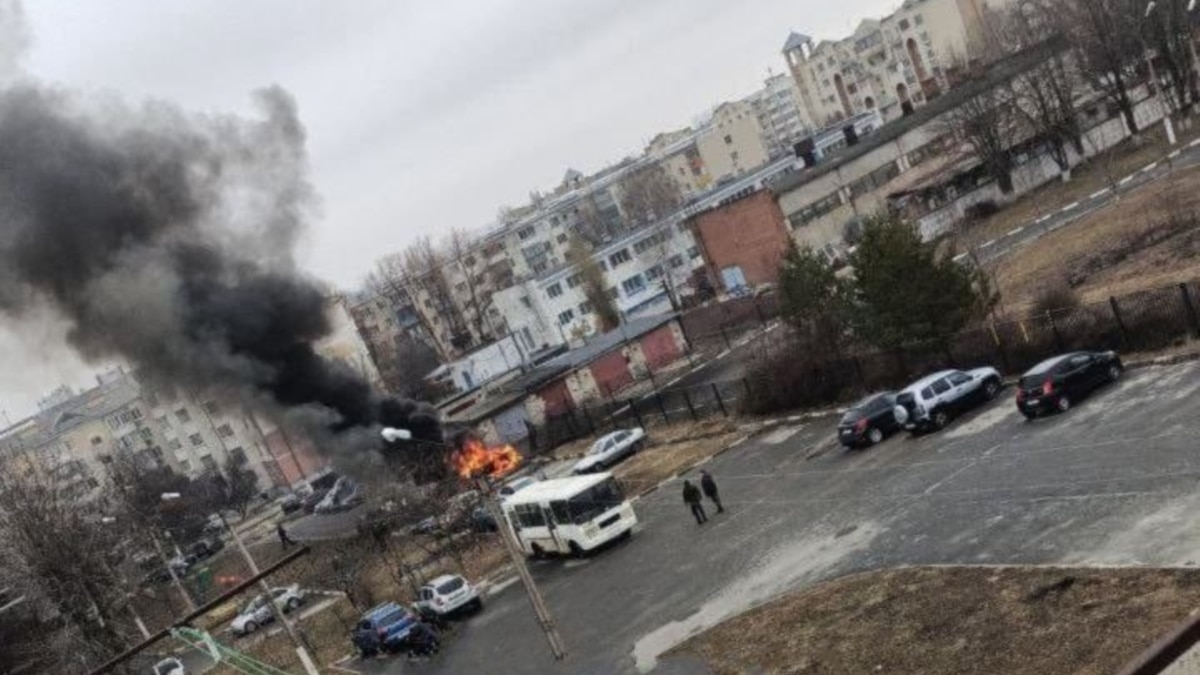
(693, 252)
(554, 290)
(728, 139)
(525, 301)
(574, 280)
(185, 465)
(183, 416)
(734, 156)
(562, 237)
(904, 24)
(146, 433)
(540, 267)
(634, 285)
(654, 273)
(92, 483)
(565, 317)
(96, 440)
(613, 293)
(603, 266)
(585, 308)
(225, 431)
(196, 439)
(208, 463)
(212, 407)
(238, 455)
(815, 210)
(525, 232)
(675, 261)
(619, 257)
(174, 444)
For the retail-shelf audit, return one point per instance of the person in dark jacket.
(283, 536)
(710, 489)
(692, 497)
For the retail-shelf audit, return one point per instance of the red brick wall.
(611, 373)
(750, 233)
(659, 348)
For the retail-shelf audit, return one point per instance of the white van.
(569, 515)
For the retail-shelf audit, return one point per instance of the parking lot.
(1111, 482)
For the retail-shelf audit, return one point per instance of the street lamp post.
(276, 610)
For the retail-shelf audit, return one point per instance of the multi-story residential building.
(893, 64)
(732, 143)
(782, 118)
(345, 344)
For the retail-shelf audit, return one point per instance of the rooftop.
(557, 488)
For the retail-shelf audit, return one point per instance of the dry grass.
(1130, 245)
(327, 633)
(933, 621)
(671, 450)
(1097, 174)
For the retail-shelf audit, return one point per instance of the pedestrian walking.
(692, 497)
(710, 489)
(283, 536)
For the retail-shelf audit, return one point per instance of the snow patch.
(781, 570)
(998, 414)
(781, 435)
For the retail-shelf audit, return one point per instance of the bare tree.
(463, 250)
(595, 285)
(649, 194)
(426, 269)
(389, 280)
(987, 126)
(1168, 29)
(593, 227)
(1104, 37)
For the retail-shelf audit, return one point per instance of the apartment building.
(894, 64)
(782, 118)
(732, 143)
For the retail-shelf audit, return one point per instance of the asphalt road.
(1184, 157)
(1112, 482)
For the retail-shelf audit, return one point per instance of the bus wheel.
(576, 551)
(538, 553)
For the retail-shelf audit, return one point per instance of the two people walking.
(693, 498)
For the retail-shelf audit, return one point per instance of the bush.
(1055, 299)
(980, 210)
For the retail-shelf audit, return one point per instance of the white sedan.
(611, 449)
(257, 612)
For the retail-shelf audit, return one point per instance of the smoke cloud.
(165, 239)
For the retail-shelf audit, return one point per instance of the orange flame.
(474, 459)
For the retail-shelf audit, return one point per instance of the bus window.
(529, 515)
(562, 512)
(591, 503)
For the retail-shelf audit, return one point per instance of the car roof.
(443, 579)
(379, 610)
(556, 488)
(871, 397)
(928, 380)
(1045, 366)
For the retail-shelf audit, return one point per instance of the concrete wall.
(611, 372)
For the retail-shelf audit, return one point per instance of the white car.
(610, 450)
(448, 594)
(344, 495)
(170, 666)
(515, 485)
(931, 402)
(257, 612)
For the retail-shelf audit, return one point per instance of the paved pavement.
(1183, 157)
(1112, 482)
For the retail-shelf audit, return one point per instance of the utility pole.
(545, 619)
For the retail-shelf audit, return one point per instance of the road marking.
(960, 257)
(1150, 167)
(1016, 231)
(1126, 180)
(1042, 219)
(1070, 206)
(987, 243)
(1099, 193)
(1173, 155)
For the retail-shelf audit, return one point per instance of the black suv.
(869, 421)
(1055, 384)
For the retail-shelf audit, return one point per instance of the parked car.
(384, 628)
(931, 402)
(610, 450)
(515, 485)
(291, 503)
(257, 612)
(1055, 384)
(448, 594)
(313, 499)
(482, 520)
(205, 548)
(343, 496)
(170, 666)
(869, 421)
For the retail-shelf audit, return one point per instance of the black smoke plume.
(165, 239)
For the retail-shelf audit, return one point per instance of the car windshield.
(450, 585)
(250, 606)
(164, 667)
(600, 446)
(594, 501)
(393, 617)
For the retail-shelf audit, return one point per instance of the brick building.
(742, 241)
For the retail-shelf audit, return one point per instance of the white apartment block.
(893, 64)
(783, 122)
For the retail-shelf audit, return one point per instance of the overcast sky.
(422, 116)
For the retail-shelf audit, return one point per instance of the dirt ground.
(671, 450)
(1149, 239)
(1097, 174)
(950, 620)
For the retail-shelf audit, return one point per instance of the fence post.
(632, 403)
(688, 400)
(720, 403)
(1193, 319)
(662, 407)
(725, 337)
(1116, 310)
(1058, 338)
(762, 321)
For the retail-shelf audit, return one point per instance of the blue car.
(385, 628)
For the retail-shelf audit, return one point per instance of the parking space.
(1111, 482)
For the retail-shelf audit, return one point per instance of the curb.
(1164, 361)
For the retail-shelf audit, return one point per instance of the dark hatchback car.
(869, 421)
(1055, 384)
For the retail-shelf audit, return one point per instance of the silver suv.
(931, 402)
